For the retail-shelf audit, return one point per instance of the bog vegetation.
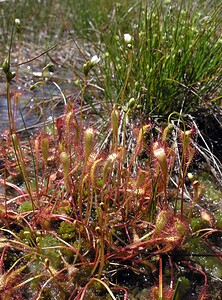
(101, 198)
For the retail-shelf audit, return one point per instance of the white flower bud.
(127, 38)
(17, 22)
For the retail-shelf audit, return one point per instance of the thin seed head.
(160, 154)
(88, 142)
(45, 149)
(115, 122)
(65, 163)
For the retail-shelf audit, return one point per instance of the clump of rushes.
(169, 67)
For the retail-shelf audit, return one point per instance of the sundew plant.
(101, 198)
(81, 218)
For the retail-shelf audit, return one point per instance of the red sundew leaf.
(52, 177)
(59, 126)
(15, 187)
(157, 246)
(17, 96)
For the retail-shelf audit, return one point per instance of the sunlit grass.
(172, 62)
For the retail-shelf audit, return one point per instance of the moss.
(47, 247)
(66, 231)
(218, 220)
(202, 254)
(197, 224)
(25, 206)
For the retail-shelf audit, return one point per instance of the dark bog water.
(31, 108)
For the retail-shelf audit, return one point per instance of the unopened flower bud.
(131, 103)
(6, 65)
(34, 86)
(49, 67)
(10, 75)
